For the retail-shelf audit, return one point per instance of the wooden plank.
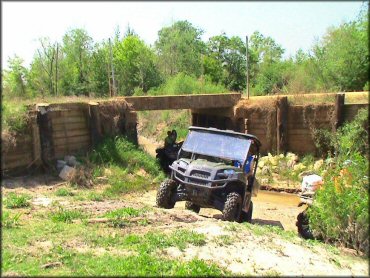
(71, 149)
(66, 113)
(338, 111)
(281, 130)
(72, 126)
(19, 148)
(16, 163)
(70, 133)
(36, 144)
(18, 156)
(68, 120)
(71, 140)
(68, 106)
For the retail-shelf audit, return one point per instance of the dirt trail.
(148, 145)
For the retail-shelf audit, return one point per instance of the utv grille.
(198, 182)
(200, 174)
(181, 169)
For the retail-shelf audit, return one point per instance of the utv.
(214, 169)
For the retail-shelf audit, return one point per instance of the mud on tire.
(191, 206)
(164, 194)
(232, 208)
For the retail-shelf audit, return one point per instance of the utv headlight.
(183, 164)
(229, 172)
(225, 173)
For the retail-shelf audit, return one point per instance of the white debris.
(311, 182)
(42, 201)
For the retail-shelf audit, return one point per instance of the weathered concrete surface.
(183, 101)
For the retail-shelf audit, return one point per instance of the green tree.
(42, 76)
(341, 58)
(267, 66)
(135, 65)
(99, 67)
(179, 49)
(225, 61)
(77, 52)
(15, 79)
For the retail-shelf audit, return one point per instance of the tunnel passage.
(217, 118)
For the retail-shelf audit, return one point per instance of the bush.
(14, 116)
(17, 201)
(340, 211)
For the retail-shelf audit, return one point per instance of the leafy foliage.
(341, 207)
(179, 49)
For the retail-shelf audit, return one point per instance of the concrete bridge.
(201, 101)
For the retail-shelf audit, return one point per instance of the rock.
(265, 170)
(67, 173)
(60, 165)
(264, 181)
(292, 156)
(318, 164)
(291, 163)
(274, 161)
(71, 160)
(299, 167)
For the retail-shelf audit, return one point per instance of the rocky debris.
(71, 161)
(67, 173)
(71, 170)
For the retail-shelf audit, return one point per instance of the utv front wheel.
(191, 206)
(164, 194)
(232, 207)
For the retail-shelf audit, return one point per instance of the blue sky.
(293, 25)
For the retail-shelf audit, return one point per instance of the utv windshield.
(217, 145)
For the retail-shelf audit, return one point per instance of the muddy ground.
(242, 249)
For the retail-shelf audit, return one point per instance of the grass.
(94, 196)
(127, 167)
(10, 220)
(22, 256)
(151, 241)
(124, 212)
(67, 216)
(14, 200)
(63, 192)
